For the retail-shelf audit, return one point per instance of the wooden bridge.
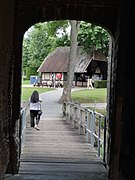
(58, 152)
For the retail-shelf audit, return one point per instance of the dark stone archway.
(118, 18)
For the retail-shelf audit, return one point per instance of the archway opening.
(96, 72)
(98, 40)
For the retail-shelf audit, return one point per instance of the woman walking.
(35, 109)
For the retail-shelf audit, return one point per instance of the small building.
(54, 68)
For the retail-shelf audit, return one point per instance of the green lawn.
(101, 111)
(90, 95)
(27, 91)
(25, 81)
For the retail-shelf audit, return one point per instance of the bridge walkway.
(57, 152)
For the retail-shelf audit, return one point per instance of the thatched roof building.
(88, 65)
(58, 60)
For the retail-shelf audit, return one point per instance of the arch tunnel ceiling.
(101, 12)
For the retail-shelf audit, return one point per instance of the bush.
(30, 71)
(100, 84)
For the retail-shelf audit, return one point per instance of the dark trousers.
(34, 118)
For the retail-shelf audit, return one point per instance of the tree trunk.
(66, 96)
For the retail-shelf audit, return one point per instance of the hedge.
(100, 84)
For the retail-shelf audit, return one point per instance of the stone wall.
(6, 34)
(122, 96)
(121, 99)
(16, 17)
(127, 84)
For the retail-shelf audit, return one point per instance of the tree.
(66, 96)
(91, 35)
(41, 39)
(37, 45)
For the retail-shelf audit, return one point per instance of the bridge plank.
(58, 152)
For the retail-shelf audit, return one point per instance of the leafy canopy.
(91, 35)
(43, 38)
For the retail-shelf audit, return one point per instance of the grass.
(27, 91)
(90, 95)
(25, 82)
(101, 111)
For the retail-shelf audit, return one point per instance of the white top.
(36, 106)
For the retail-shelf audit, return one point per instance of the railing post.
(85, 120)
(92, 128)
(22, 128)
(68, 113)
(78, 117)
(75, 117)
(104, 153)
(99, 129)
(87, 126)
(72, 114)
(83, 124)
(80, 123)
(64, 109)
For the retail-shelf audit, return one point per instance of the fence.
(22, 128)
(90, 123)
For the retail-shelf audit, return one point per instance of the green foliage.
(63, 41)
(100, 84)
(42, 38)
(30, 71)
(91, 35)
(36, 46)
(57, 28)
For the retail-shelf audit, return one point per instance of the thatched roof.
(58, 60)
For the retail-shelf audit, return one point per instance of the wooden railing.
(22, 128)
(90, 123)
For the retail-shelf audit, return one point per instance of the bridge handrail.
(90, 123)
(22, 128)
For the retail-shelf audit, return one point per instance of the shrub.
(100, 84)
(30, 71)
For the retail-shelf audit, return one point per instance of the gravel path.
(50, 106)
